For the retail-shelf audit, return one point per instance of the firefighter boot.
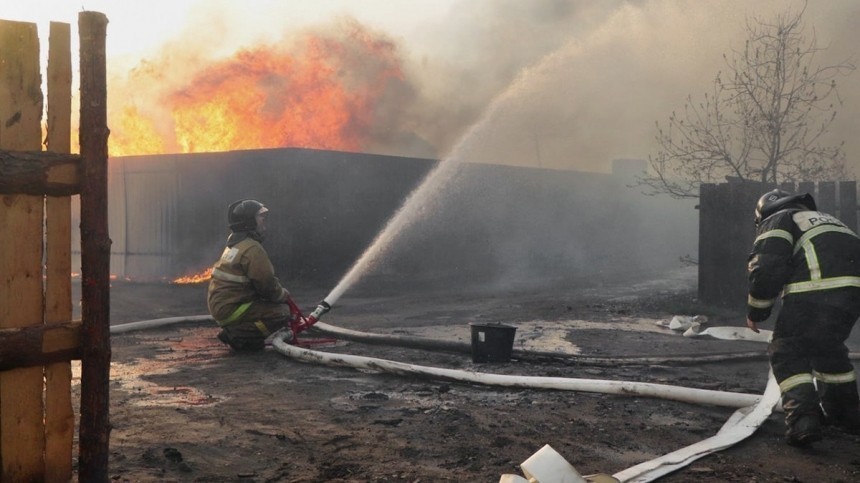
(223, 337)
(802, 415)
(241, 344)
(841, 405)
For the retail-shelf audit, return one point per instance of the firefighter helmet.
(777, 200)
(242, 214)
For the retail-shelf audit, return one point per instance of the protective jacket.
(804, 254)
(242, 275)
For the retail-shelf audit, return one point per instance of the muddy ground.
(185, 408)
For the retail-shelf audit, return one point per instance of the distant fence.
(727, 231)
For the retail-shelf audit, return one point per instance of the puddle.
(187, 347)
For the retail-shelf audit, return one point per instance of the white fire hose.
(547, 466)
(156, 323)
(662, 391)
(544, 466)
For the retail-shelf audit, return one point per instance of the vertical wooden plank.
(22, 433)
(746, 235)
(726, 231)
(95, 252)
(59, 415)
(721, 220)
(848, 203)
(738, 229)
(806, 187)
(706, 236)
(826, 199)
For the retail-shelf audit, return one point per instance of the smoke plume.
(585, 81)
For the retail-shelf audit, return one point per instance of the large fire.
(322, 91)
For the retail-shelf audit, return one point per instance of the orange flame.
(201, 277)
(322, 92)
(144, 138)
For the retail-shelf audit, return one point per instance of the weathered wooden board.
(39, 173)
(21, 410)
(22, 436)
(40, 345)
(59, 414)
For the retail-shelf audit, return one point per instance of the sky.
(138, 28)
(566, 84)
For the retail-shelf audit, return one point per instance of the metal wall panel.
(168, 217)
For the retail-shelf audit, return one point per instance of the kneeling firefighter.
(813, 260)
(245, 298)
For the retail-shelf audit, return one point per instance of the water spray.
(422, 196)
(402, 218)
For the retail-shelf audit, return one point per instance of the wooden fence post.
(95, 252)
(22, 437)
(848, 203)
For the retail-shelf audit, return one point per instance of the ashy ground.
(185, 408)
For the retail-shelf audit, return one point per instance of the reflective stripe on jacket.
(799, 251)
(243, 274)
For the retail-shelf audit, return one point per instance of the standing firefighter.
(813, 259)
(245, 297)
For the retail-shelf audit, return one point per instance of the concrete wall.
(491, 224)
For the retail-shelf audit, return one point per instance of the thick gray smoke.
(593, 77)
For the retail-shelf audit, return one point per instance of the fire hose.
(752, 410)
(546, 465)
(535, 355)
(282, 343)
(662, 391)
(465, 347)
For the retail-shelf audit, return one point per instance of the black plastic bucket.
(492, 342)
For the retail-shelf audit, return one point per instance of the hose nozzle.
(321, 309)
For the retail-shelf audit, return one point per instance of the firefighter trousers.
(254, 323)
(808, 350)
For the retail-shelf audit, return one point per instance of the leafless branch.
(763, 120)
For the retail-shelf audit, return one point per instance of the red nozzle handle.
(300, 322)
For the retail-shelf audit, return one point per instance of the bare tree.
(764, 119)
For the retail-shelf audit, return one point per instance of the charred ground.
(184, 408)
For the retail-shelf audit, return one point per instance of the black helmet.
(242, 214)
(776, 200)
